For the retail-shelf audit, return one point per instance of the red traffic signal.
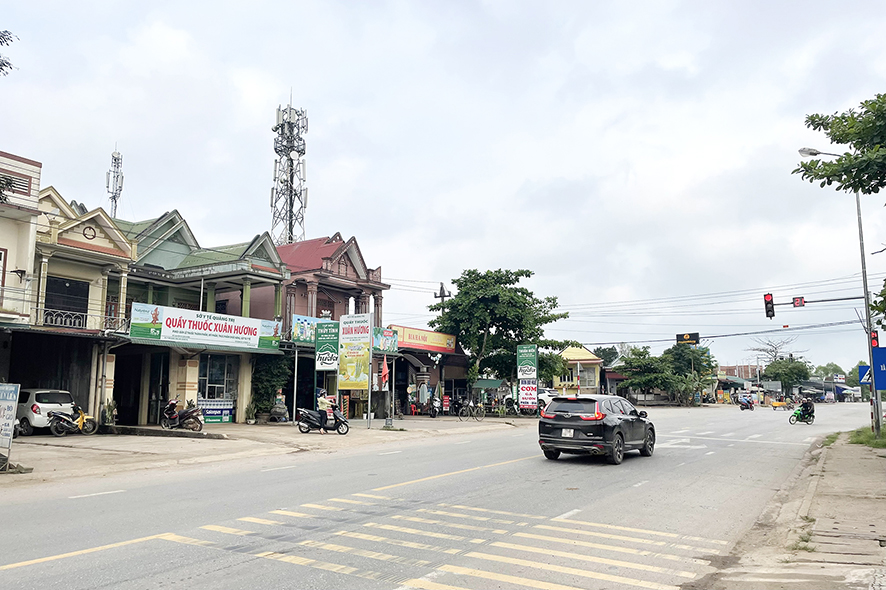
(769, 304)
(875, 339)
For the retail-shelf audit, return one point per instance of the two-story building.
(582, 374)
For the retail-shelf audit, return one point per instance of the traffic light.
(770, 305)
(875, 339)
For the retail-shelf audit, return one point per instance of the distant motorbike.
(309, 420)
(61, 423)
(189, 418)
(435, 406)
(799, 416)
(746, 404)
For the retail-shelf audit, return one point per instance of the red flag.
(384, 370)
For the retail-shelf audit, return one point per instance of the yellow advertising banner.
(355, 351)
(424, 340)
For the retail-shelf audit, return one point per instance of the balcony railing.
(58, 318)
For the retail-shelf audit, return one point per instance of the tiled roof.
(307, 255)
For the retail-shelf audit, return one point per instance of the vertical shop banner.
(354, 351)
(171, 324)
(326, 346)
(8, 405)
(528, 393)
(304, 329)
(527, 361)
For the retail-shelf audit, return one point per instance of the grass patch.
(805, 537)
(864, 436)
(808, 518)
(800, 546)
(830, 439)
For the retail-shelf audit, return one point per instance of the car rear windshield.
(53, 397)
(576, 406)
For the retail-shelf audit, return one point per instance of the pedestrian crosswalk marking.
(624, 538)
(593, 559)
(321, 507)
(398, 542)
(259, 520)
(423, 584)
(400, 529)
(226, 530)
(614, 548)
(466, 516)
(346, 501)
(460, 507)
(453, 525)
(571, 571)
(184, 540)
(365, 553)
(290, 513)
(616, 527)
(372, 496)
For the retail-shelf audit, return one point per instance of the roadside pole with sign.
(527, 374)
(325, 354)
(8, 405)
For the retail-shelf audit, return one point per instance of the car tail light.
(597, 415)
(546, 415)
(35, 408)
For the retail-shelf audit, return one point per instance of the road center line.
(96, 494)
(390, 453)
(76, 553)
(279, 468)
(744, 440)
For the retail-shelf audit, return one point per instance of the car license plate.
(566, 433)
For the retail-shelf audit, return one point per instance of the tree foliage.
(550, 365)
(645, 372)
(788, 372)
(607, 353)
(491, 314)
(6, 38)
(685, 360)
(828, 370)
(862, 167)
(269, 374)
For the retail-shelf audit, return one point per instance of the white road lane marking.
(705, 432)
(567, 514)
(710, 453)
(744, 440)
(464, 442)
(679, 431)
(96, 494)
(638, 484)
(279, 468)
(729, 434)
(755, 436)
(390, 453)
(681, 464)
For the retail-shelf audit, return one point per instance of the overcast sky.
(636, 156)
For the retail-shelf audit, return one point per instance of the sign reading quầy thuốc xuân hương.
(171, 324)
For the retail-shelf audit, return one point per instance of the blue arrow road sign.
(880, 367)
(864, 375)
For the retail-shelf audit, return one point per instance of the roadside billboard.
(424, 340)
(528, 393)
(304, 329)
(384, 340)
(527, 361)
(8, 405)
(326, 346)
(185, 326)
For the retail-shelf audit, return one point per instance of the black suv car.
(594, 425)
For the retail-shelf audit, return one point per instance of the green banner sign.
(326, 345)
(527, 361)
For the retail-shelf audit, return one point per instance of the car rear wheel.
(617, 454)
(552, 455)
(648, 444)
(25, 427)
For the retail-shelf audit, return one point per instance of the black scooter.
(309, 420)
(189, 418)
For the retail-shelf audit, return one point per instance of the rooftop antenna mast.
(114, 180)
(289, 196)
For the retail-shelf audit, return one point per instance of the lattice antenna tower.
(289, 196)
(114, 180)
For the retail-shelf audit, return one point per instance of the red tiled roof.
(307, 255)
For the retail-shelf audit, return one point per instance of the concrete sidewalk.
(825, 529)
(53, 458)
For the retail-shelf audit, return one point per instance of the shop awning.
(488, 383)
(202, 348)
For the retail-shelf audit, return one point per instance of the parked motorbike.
(61, 423)
(746, 404)
(188, 418)
(798, 416)
(435, 406)
(309, 420)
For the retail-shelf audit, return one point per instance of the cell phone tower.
(114, 180)
(289, 196)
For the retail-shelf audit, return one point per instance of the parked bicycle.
(472, 410)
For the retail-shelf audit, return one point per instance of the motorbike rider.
(808, 407)
(323, 404)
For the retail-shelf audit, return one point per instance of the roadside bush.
(864, 436)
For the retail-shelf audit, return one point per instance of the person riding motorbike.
(807, 407)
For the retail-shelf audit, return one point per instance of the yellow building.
(583, 374)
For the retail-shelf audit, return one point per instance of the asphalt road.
(460, 511)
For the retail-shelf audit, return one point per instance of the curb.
(137, 431)
(813, 484)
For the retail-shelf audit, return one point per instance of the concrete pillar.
(244, 298)
(312, 299)
(187, 376)
(244, 392)
(121, 297)
(363, 303)
(378, 308)
(150, 293)
(210, 297)
(41, 291)
(143, 389)
(278, 300)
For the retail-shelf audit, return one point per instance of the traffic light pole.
(875, 395)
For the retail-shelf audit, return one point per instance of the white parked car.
(35, 404)
(545, 395)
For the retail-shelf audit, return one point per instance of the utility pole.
(442, 294)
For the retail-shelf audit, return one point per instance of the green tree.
(645, 372)
(862, 167)
(828, 370)
(491, 314)
(269, 374)
(686, 359)
(608, 354)
(550, 365)
(788, 372)
(6, 38)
